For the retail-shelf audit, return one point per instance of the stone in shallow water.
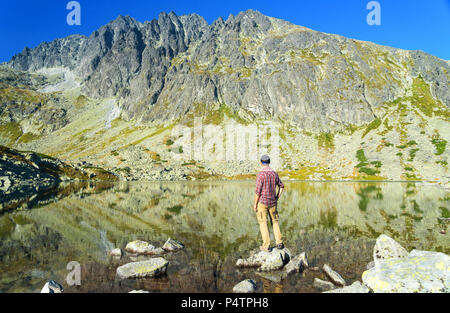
(149, 268)
(323, 285)
(139, 291)
(333, 275)
(420, 271)
(356, 287)
(140, 247)
(172, 245)
(246, 286)
(296, 264)
(266, 261)
(387, 248)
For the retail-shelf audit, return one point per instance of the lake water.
(334, 222)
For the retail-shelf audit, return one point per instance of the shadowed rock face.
(257, 65)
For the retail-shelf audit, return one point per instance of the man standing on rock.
(266, 197)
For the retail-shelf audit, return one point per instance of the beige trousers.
(263, 210)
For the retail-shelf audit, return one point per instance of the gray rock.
(296, 264)
(139, 291)
(140, 247)
(266, 261)
(419, 271)
(323, 285)
(356, 287)
(172, 245)
(116, 252)
(246, 286)
(150, 268)
(387, 248)
(333, 275)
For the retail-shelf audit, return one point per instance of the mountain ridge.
(344, 108)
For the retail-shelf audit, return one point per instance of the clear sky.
(407, 24)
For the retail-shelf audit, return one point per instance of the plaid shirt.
(266, 183)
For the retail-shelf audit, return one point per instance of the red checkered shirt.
(266, 183)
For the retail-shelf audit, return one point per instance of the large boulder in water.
(387, 248)
(149, 268)
(266, 261)
(246, 286)
(420, 271)
(172, 245)
(140, 247)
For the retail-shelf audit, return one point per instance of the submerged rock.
(323, 285)
(333, 275)
(140, 247)
(420, 271)
(172, 245)
(149, 268)
(245, 286)
(387, 248)
(266, 261)
(356, 287)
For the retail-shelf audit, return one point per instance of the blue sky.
(407, 24)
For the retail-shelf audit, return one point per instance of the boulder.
(246, 286)
(323, 285)
(296, 264)
(420, 271)
(116, 252)
(149, 268)
(266, 261)
(140, 247)
(387, 248)
(52, 287)
(333, 275)
(139, 291)
(172, 245)
(356, 287)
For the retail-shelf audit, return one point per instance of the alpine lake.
(336, 223)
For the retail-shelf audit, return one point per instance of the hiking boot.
(265, 250)
(280, 246)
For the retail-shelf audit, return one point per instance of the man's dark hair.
(265, 159)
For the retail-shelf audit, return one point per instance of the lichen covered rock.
(387, 248)
(150, 268)
(420, 271)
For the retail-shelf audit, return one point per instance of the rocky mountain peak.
(258, 66)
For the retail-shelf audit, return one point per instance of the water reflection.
(336, 223)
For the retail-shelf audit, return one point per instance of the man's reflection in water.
(270, 287)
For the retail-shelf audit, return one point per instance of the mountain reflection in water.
(334, 222)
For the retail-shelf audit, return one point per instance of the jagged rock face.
(259, 66)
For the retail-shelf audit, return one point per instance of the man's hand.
(255, 208)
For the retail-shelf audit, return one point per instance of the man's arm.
(255, 204)
(258, 191)
(280, 187)
(280, 192)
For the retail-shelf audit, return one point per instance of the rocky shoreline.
(393, 269)
(25, 176)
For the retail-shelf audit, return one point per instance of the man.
(266, 197)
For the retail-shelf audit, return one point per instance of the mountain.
(114, 96)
